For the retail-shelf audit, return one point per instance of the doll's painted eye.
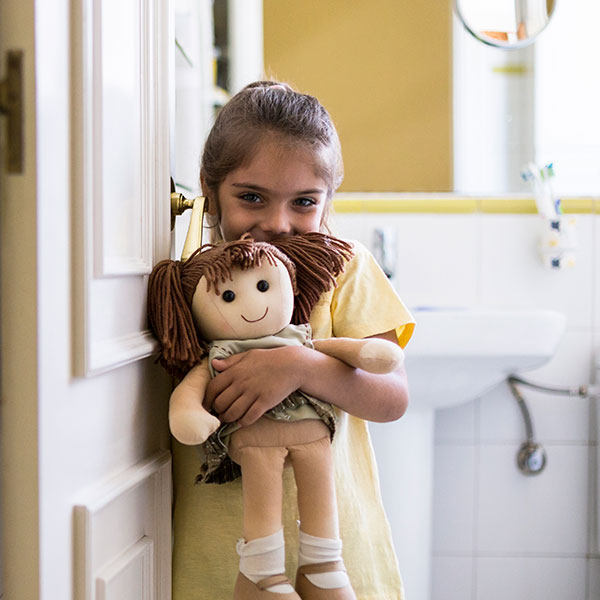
(228, 296)
(262, 285)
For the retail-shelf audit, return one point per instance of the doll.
(238, 296)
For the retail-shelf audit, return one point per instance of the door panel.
(120, 137)
(80, 229)
(122, 535)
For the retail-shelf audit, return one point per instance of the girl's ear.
(210, 206)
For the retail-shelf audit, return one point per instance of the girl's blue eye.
(250, 197)
(262, 285)
(305, 202)
(228, 296)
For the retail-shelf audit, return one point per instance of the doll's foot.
(247, 590)
(309, 591)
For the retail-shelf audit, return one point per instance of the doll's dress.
(216, 465)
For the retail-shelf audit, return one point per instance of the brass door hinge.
(11, 105)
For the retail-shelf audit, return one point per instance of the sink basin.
(455, 356)
(458, 354)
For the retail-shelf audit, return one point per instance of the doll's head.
(246, 290)
(238, 290)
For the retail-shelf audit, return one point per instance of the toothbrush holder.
(558, 241)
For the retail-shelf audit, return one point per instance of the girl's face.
(277, 193)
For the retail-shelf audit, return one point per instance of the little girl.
(270, 166)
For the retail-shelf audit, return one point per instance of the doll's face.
(258, 302)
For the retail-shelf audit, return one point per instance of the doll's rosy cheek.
(214, 314)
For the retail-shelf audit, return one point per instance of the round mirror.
(505, 23)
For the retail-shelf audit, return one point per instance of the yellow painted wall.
(382, 68)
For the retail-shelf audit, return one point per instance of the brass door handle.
(179, 203)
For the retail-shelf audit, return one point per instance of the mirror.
(505, 23)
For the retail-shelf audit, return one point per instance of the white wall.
(497, 533)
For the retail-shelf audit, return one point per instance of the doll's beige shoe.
(308, 591)
(247, 590)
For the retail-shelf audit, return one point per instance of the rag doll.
(238, 296)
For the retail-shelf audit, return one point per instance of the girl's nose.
(276, 222)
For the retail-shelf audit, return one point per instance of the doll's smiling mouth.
(256, 320)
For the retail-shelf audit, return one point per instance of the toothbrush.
(544, 204)
(547, 174)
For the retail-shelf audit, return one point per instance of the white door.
(86, 467)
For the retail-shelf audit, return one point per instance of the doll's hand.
(250, 383)
(189, 421)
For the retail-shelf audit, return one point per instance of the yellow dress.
(208, 518)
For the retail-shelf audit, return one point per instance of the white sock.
(262, 558)
(314, 550)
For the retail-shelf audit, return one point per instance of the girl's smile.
(277, 193)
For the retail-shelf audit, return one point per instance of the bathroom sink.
(458, 354)
(455, 356)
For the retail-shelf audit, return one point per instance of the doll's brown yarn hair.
(313, 260)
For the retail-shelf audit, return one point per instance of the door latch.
(11, 105)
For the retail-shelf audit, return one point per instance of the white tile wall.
(546, 513)
(497, 533)
(556, 418)
(596, 283)
(572, 363)
(454, 509)
(456, 424)
(531, 578)
(512, 274)
(500, 419)
(594, 579)
(452, 578)
(449, 274)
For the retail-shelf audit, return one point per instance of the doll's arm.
(372, 354)
(189, 421)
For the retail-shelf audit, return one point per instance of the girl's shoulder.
(362, 264)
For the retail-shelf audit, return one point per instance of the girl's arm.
(379, 398)
(255, 381)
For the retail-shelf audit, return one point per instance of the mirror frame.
(489, 41)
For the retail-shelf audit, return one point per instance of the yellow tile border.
(447, 203)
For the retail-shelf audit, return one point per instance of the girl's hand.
(250, 383)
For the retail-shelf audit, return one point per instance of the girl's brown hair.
(313, 260)
(270, 108)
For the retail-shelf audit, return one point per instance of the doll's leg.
(262, 550)
(313, 470)
(262, 472)
(321, 572)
